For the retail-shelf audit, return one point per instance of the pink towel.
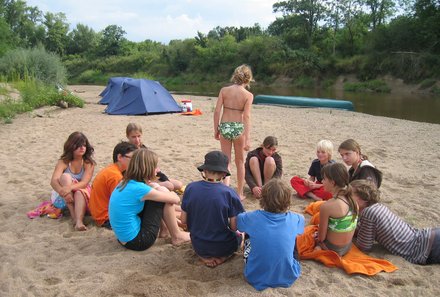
(45, 208)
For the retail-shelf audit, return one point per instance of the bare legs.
(169, 218)
(268, 172)
(226, 147)
(75, 203)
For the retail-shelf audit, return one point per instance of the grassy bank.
(32, 95)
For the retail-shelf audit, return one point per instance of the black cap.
(215, 161)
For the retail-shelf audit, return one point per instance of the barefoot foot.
(79, 226)
(214, 261)
(181, 238)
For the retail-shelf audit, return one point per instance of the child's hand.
(256, 191)
(315, 185)
(66, 190)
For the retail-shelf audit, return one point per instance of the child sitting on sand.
(262, 164)
(209, 208)
(136, 208)
(134, 136)
(361, 167)
(71, 177)
(272, 231)
(337, 216)
(312, 187)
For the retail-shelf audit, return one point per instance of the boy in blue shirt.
(272, 231)
(209, 208)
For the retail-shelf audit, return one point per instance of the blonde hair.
(133, 127)
(326, 146)
(242, 75)
(142, 167)
(276, 196)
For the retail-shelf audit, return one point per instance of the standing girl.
(337, 216)
(360, 168)
(136, 209)
(232, 120)
(71, 178)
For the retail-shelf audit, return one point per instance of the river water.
(414, 107)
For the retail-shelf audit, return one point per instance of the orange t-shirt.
(103, 185)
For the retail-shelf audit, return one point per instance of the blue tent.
(112, 90)
(142, 96)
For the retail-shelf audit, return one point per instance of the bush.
(93, 77)
(304, 82)
(435, 90)
(35, 94)
(368, 86)
(427, 83)
(20, 64)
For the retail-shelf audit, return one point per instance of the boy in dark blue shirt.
(209, 208)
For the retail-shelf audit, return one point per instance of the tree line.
(316, 39)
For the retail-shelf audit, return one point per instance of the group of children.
(139, 203)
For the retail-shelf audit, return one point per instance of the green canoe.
(303, 101)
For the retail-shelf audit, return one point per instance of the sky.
(161, 20)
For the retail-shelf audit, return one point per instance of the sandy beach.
(46, 257)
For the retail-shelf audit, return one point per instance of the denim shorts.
(434, 255)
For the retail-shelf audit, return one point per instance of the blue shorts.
(434, 255)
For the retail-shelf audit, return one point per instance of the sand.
(46, 257)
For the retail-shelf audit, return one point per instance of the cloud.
(161, 20)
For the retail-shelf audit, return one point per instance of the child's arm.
(247, 122)
(311, 183)
(217, 111)
(55, 180)
(233, 223)
(87, 177)
(160, 196)
(323, 225)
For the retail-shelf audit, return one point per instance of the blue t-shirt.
(271, 261)
(209, 207)
(124, 208)
(316, 167)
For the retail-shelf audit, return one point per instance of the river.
(414, 107)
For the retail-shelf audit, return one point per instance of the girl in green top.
(337, 216)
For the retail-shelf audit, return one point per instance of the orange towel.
(194, 112)
(354, 261)
(313, 210)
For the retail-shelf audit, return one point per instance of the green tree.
(220, 56)
(379, 11)
(427, 14)
(82, 40)
(309, 12)
(24, 21)
(112, 40)
(179, 55)
(6, 37)
(56, 32)
(201, 39)
(290, 29)
(265, 53)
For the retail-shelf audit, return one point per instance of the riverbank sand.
(46, 257)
